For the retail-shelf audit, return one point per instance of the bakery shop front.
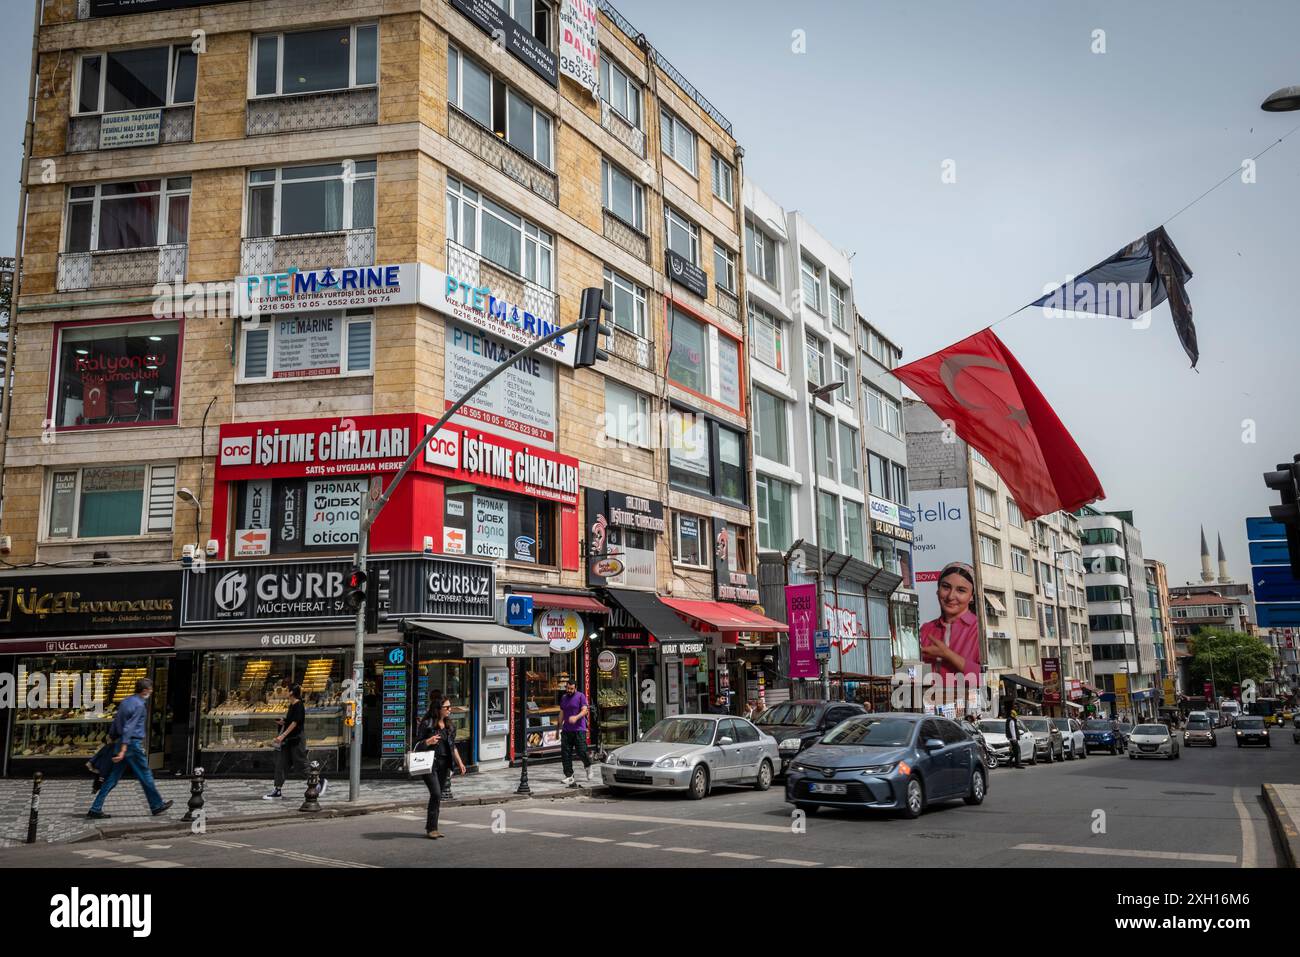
(73, 643)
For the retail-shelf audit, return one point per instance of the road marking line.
(597, 840)
(96, 852)
(128, 858)
(646, 819)
(685, 850)
(162, 864)
(787, 860)
(1248, 851)
(737, 856)
(228, 844)
(477, 827)
(1127, 852)
(549, 834)
(636, 844)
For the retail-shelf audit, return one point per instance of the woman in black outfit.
(436, 732)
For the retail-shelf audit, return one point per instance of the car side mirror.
(933, 744)
(725, 741)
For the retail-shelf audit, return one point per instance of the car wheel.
(764, 780)
(978, 788)
(699, 785)
(1033, 756)
(1132, 756)
(1083, 755)
(914, 798)
(1051, 755)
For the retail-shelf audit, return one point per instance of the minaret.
(1224, 577)
(1207, 575)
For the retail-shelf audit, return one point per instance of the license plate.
(631, 777)
(820, 788)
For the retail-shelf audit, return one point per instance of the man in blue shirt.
(128, 732)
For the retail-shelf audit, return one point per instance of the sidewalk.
(1282, 802)
(64, 801)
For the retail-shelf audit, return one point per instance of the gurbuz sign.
(686, 273)
(493, 21)
(70, 603)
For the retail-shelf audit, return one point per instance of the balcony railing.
(637, 243)
(635, 349)
(613, 123)
(177, 127)
(469, 267)
(121, 267)
(728, 304)
(501, 155)
(271, 254)
(313, 111)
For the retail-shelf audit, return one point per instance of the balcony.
(177, 127)
(469, 267)
(499, 154)
(628, 345)
(272, 254)
(629, 238)
(121, 267)
(613, 123)
(727, 302)
(304, 112)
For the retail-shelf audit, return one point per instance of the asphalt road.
(1197, 812)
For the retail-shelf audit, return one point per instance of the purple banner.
(801, 615)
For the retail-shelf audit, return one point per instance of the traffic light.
(1286, 481)
(354, 596)
(589, 333)
(377, 600)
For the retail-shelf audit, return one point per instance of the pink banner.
(801, 616)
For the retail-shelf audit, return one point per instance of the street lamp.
(1284, 100)
(821, 392)
(1062, 627)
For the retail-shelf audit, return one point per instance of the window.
(994, 601)
(810, 277)
(683, 235)
(1110, 623)
(1111, 593)
(118, 374)
(898, 479)
(688, 358)
(706, 457)
(850, 470)
(985, 500)
(677, 140)
(533, 15)
(311, 199)
(134, 215)
(762, 255)
(1019, 560)
(137, 79)
(628, 300)
(1024, 605)
(979, 457)
(622, 195)
(825, 445)
(853, 536)
(816, 360)
(691, 540)
(774, 527)
(999, 652)
(110, 501)
(492, 231)
(878, 475)
(627, 415)
(843, 366)
(883, 411)
(766, 337)
(828, 518)
(497, 525)
(1013, 514)
(338, 58)
(722, 180)
(731, 482)
(1099, 536)
(839, 311)
(1048, 624)
(770, 439)
(308, 346)
(881, 350)
(724, 267)
(990, 551)
(620, 91)
(1029, 654)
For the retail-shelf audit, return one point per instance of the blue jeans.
(139, 763)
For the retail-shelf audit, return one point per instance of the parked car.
(1216, 716)
(692, 753)
(990, 759)
(1101, 734)
(1049, 743)
(1153, 741)
(995, 736)
(1072, 732)
(897, 761)
(1252, 730)
(1199, 730)
(798, 724)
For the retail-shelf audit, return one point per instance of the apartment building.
(266, 245)
(1162, 632)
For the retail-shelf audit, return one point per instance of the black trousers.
(434, 783)
(1015, 754)
(568, 741)
(292, 756)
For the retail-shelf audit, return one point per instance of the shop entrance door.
(160, 715)
(613, 702)
(647, 692)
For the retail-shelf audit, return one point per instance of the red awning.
(567, 602)
(721, 616)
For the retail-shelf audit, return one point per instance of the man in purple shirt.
(128, 732)
(573, 731)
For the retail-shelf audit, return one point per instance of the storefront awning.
(1027, 683)
(656, 617)
(567, 602)
(302, 639)
(473, 639)
(723, 616)
(995, 603)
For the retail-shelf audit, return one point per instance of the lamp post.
(1062, 626)
(1284, 100)
(821, 392)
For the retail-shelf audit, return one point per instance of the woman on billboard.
(951, 643)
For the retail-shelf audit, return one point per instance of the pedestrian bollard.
(311, 800)
(36, 807)
(195, 803)
(523, 778)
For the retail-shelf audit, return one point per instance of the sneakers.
(434, 835)
(320, 791)
(161, 808)
(97, 815)
(591, 774)
(273, 796)
(569, 782)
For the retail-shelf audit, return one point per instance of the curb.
(1284, 828)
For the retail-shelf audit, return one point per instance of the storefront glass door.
(613, 701)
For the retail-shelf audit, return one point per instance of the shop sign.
(130, 128)
(629, 511)
(883, 510)
(519, 403)
(729, 583)
(252, 542)
(906, 518)
(504, 464)
(486, 308)
(891, 531)
(61, 646)
(579, 50)
(340, 287)
(1051, 680)
(294, 639)
(606, 661)
(519, 611)
(684, 272)
(137, 600)
(683, 648)
(801, 613)
(563, 629)
(503, 28)
(463, 590)
(113, 8)
(611, 557)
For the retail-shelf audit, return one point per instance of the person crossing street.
(1014, 732)
(574, 709)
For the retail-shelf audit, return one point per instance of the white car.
(995, 734)
(1072, 731)
(1153, 741)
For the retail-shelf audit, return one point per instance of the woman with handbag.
(438, 734)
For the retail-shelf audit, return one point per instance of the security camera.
(212, 547)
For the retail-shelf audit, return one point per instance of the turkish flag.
(978, 385)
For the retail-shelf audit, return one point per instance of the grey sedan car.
(692, 753)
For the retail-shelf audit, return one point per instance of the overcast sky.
(1062, 156)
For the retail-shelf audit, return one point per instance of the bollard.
(36, 807)
(311, 800)
(195, 804)
(523, 778)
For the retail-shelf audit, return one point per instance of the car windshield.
(788, 712)
(872, 732)
(1198, 724)
(1156, 729)
(1249, 723)
(682, 731)
(1062, 723)
(988, 726)
(1036, 724)
(1096, 725)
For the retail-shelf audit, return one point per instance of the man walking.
(291, 745)
(128, 731)
(573, 731)
(1014, 731)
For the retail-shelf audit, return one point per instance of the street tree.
(1226, 650)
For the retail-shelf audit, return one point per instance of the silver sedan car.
(692, 753)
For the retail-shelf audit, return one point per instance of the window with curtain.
(825, 446)
(853, 533)
(327, 197)
(677, 140)
(499, 235)
(828, 517)
(130, 215)
(110, 501)
(810, 275)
